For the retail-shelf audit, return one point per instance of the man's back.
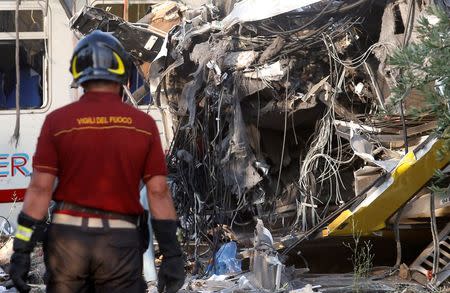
(100, 148)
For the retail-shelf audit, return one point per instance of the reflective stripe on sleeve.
(24, 233)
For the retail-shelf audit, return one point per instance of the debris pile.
(276, 110)
(255, 101)
(280, 116)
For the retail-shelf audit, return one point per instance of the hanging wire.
(286, 93)
(435, 235)
(321, 152)
(16, 135)
(358, 61)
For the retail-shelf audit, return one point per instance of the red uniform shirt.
(100, 149)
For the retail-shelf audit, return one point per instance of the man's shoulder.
(63, 111)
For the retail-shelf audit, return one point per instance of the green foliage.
(362, 259)
(425, 66)
(362, 262)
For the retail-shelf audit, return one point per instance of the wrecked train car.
(282, 114)
(286, 116)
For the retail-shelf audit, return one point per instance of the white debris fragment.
(272, 72)
(359, 88)
(263, 236)
(244, 283)
(215, 277)
(307, 289)
(252, 10)
(240, 60)
(432, 19)
(364, 149)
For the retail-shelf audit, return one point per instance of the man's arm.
(38, 195)
(171, 272)
(30, 227)
(159, 199)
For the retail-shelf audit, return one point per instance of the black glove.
(20, 266)
(171, 273)
(29, 231)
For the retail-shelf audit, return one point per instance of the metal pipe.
(405, 134)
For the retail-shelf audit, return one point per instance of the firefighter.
(100, 149)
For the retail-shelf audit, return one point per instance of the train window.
(31, 59)
(29, 21)
(135, 83)
(31, 54)
(135, 12)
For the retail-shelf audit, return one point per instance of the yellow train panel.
(414, 170)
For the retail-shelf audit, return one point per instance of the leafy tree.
(425, 66)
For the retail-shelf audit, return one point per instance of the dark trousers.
(100, 260)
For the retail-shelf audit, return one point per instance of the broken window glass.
(29, 21)
(136, 82)
(135, 11)
(31, 59)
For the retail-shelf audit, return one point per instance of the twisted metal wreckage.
(284, 116)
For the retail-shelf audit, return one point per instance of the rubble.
(277, 119)
(6, 250)
(280, 114)
(256, 90)
(37, 270)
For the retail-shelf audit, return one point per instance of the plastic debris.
(225, 260)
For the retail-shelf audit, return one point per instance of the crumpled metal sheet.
(240, 174)
(266, 267)
(271, 72)
(364, 149)
(252, 10)
(202, 53)
(142, 43)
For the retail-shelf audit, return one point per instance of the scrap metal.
(283, 116)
